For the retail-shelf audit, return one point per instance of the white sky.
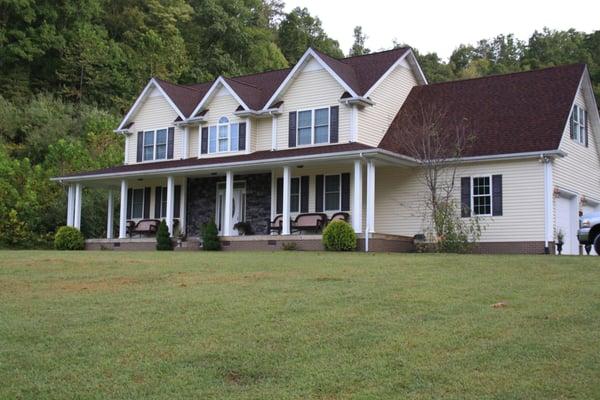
(440, 26)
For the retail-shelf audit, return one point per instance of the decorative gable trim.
(220, 81)
(310, 53)
(409, 57)
(142, 97)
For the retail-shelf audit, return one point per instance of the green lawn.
(292, 325)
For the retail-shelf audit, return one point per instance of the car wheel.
(597, 244)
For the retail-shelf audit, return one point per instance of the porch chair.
(313, 222)
(340, 216)
(276, 225)
(145, 227)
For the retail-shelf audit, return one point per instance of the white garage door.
(567, 220)
(586, 210)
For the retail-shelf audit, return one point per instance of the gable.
(154, 112)
(221, 103)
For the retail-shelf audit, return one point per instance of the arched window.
(224, 136)
(223, 144)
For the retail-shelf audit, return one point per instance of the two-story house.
(322, 137)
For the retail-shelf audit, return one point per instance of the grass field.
(290, 325)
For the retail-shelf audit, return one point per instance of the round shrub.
(339, 236)
(69, 238)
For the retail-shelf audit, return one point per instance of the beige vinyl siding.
(579, 171)
(311, 89)
(263, 133)
(222, 104)
(193, 142)
(400, 193)
(389, 96)
(154, 113)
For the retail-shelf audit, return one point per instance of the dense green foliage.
(69, 70)
(339, 236)
(210, 237)
(303, 325)
(163, 239)
(69, 238)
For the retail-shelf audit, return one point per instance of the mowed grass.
(289, 325)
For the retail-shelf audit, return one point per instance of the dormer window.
(226, 136)
(313, 126)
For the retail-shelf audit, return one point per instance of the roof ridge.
(243, 83)
(375, 53)
(180, 85)
(505, 74)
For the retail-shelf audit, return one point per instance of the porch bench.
(313, 222)
(144, 226)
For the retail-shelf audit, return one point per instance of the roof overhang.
(410, 58)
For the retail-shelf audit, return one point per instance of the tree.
(358, 48)
(437, 140)
(299, 31)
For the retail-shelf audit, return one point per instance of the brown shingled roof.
(512, 113)
(256, 156)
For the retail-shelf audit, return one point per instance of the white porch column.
(357, 202)
(548, 205)
(123, 211)
(183, 206)
(70, 205)
(109, 216)
(170, 203)
(228, 202)
(77, 212)
(287, 184)
(274, 132)
(370, 196)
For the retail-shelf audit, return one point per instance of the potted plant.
(244, 228)
(560, 236)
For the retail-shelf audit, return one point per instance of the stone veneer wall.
(202, 198)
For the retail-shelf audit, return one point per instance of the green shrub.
(163, 239)
(69, 238)
(339, 236)
(289, 246)
(210, 237)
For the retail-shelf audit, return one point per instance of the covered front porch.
(253, 194)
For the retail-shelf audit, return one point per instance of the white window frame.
(579, 124)
(312, 126)
(154, 134)
(473, 196)
(217, 126)
(143, 190)
(339, 207)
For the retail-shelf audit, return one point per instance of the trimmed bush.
(339, 236)
(163, 239)
(69, 238)
(210, 237)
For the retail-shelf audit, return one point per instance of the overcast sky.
(440, 26)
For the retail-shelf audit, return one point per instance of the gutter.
(363, 101)
(262, 113)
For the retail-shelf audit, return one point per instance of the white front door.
(238, 206)
(566, 222)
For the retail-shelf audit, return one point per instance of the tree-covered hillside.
(69, 69)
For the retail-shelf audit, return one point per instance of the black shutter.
(292, 130)
(177, 201)
(170, 143)
(346, 192)
(334, 124)
(304, 193)
(147, 202)
(204, 141)
(497, 195)
(465, 196)
(140, 146)
(129, 202)
(242, 136)
(572, 122)
(585, 116)
(157, 201)
(319, 193)
(279, 195)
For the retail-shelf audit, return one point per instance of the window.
(578, 124)
(332, 193)
(223, 137)
(163, 202)
(155, 145)
(482, 196)
(137, 203)
(313, 126)
(295, 195)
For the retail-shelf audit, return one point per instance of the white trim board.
(220, 81)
